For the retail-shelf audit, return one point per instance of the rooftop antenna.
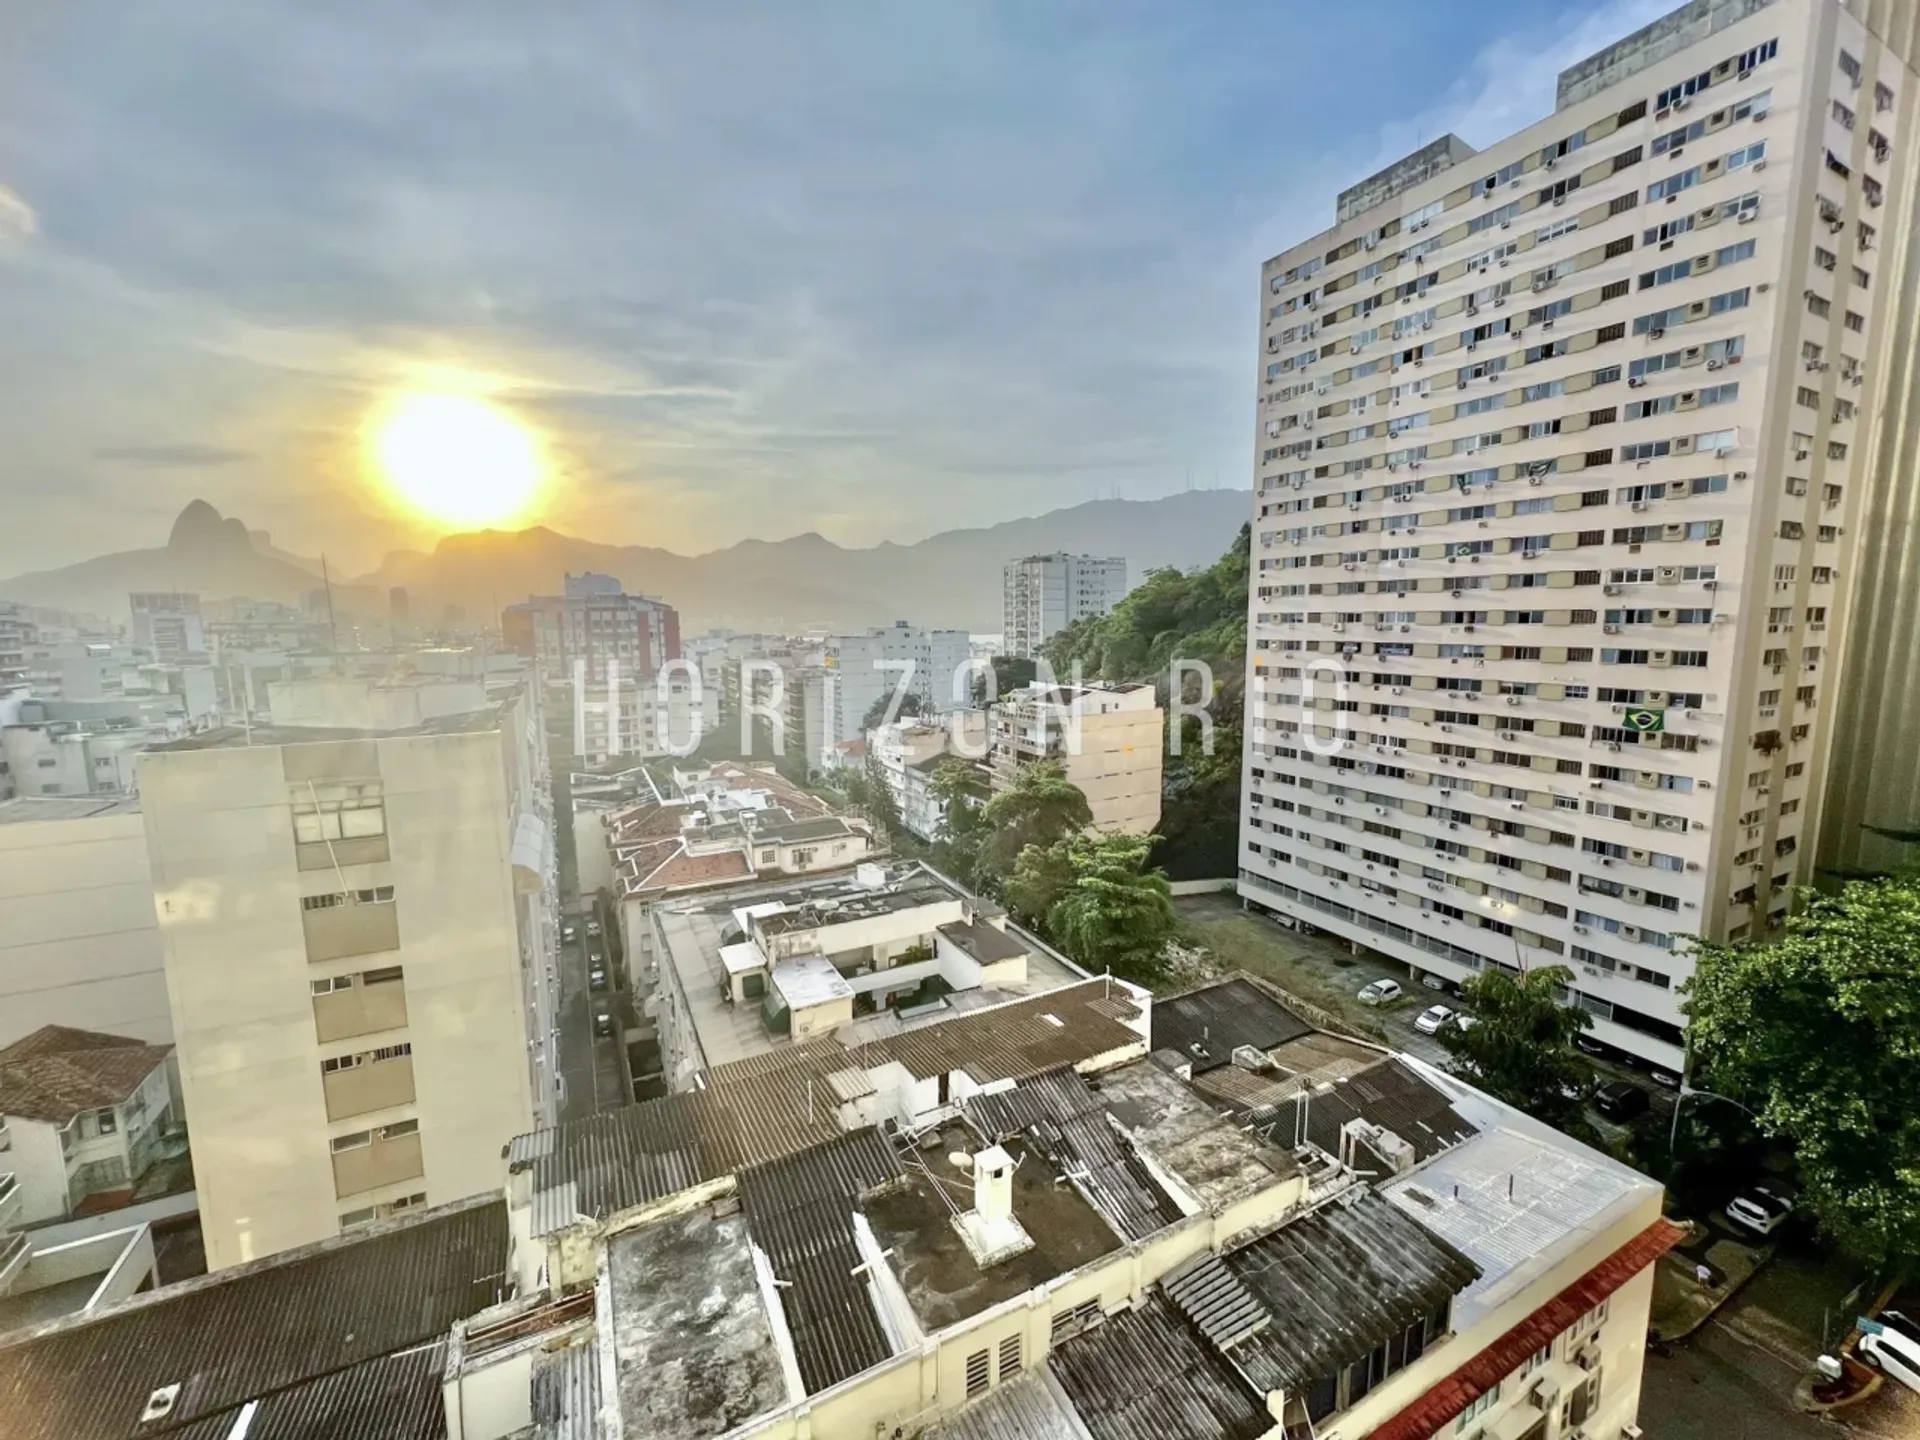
(333, 634)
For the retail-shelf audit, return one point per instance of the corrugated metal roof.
(1146, 1375)
(1388, 1095)
(1022, 1409)
(1055, 1095)
(1342, 1281)
(396, 1397)
(566, 1392)
(258, 1330)
(1207, 1025)
(1215, 1300)
(800, 1211)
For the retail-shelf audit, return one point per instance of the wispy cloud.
(754, 271)
(17, 220)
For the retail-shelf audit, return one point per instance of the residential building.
(595, 624)
(46, 1275)
(166, 624)
(18, 637)
(345, 1337)
(1107, 738)
(1085, 1213)
(1043, 594)
(869, 668)
(80, 747)
(1621, 361)
(85, 1115)
(908, 753)
(356, 925)
(79, 943)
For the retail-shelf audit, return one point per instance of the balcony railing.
(15, 1252)
(9, 1199)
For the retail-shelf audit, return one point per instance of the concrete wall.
(593, 854)
(79, 945)
(37, 1161)
(220, 838)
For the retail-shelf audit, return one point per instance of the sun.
(457, 460)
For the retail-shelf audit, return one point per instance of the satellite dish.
(960, 1159)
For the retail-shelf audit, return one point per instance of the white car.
(1759, 1208)
(1888, 1347)
(1435, 1018)
(1380, 992)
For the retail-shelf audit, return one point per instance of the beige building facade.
(1107, 738)
(1564, 447)
(351, 930)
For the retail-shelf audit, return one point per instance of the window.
(105, 1122)
(338, 812)
(399, 1129)
(358, 1140)
(1480, 1406)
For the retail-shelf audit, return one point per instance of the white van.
(1896, 1351)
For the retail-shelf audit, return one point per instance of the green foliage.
(1199, 616)
(1114, 913)
(1522, 1049)
(961, 788)
(876, 798)
(911, 705)
(1010, 672)
(1041, 806)
(1041, 875)
(1819, 1032)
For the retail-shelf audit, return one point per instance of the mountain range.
(803, 583)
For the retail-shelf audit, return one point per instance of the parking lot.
(1325, 972)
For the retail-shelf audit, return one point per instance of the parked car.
(603, 1024)
(1619, 1100)
(568, 931)
(1760, 1208)
(1435, 1018)
(1380, 992)
(593, 929)
(1587, 1045)
(1665, 1079)
(1437, 982)
(597, 978)
(1891, 1350)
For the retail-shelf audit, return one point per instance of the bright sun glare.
(457, 460)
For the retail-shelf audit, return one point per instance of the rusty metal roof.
(1147, 1375)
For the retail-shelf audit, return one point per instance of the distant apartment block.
(1043, 594)
(1107, 738)
(83, 1116)
(909, 753)
(1566, 451)
(596, 623)
(167, 624)
(79, 944)
(355, 924)
(869, 667)
(18, 636)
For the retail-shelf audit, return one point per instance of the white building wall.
(79, 945)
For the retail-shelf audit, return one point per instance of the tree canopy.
(1040, 807)
(1198, 616)
(1521, 1048)
(1818, 1032)
(911, 705)
(960, 788)
(1113, 913)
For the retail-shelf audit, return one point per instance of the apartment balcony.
(10, 1200)
(369, 1086)
(15, 1253)
(356, 850)
(337, 932)
(385, 1156)
(368, 1007)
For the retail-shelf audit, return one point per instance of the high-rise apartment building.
(1562, 451)
(167, 623)
(1107, 740)
(868, 667)
(355, 933)
(597, 623)
(1043, 594)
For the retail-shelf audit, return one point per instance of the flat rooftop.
(1213, 1157)
(943, 1284)
(695, 1349)
(234, 737)
(25, 809)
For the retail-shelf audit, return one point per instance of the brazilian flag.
(1644, 722)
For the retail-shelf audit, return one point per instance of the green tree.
(1010, 672)
(1115, 913)
(911, 706)
(1040, 807)
(961, 788)
(1041, 875)
(1818, 1032)
(1521, 1050)
(876, 798)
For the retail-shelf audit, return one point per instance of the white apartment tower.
(167, 623)
(1043, 594)
(354, 925)
(865, 668)
(1562, 445)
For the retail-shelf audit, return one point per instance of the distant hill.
(806, 582)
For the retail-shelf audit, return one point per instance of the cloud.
(17, 220)
(178, 456)
(878, 273)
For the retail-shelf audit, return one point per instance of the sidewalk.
(1681, 1304)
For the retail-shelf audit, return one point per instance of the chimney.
(993, 1184)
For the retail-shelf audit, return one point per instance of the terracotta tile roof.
(1440, 1405)
(682, 870)
(56, 1072)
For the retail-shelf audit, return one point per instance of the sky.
(869, 269)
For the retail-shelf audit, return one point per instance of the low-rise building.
(84, 1116)
(909, 753)
(1034, 1220)
(1107, 738)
